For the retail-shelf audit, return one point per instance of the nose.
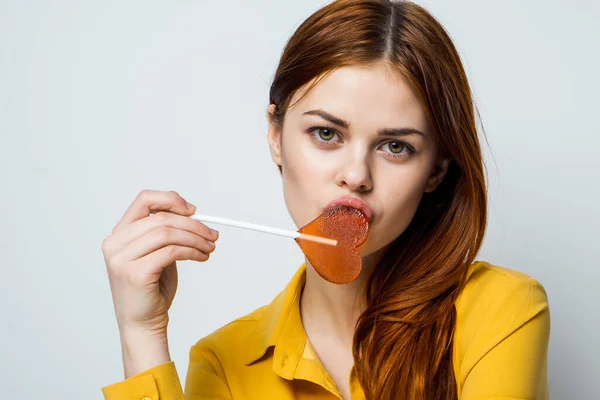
(356, 175)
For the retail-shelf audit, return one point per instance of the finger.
(161, 237)
(155, 262)
(145, 225)
(154, 200)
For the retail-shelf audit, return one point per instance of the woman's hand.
(140, 256)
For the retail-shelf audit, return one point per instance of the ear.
(439, 171)
(274, 136)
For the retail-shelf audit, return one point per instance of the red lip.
(354, 203)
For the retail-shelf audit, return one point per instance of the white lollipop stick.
(262, 228)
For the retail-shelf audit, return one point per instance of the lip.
(353, 202)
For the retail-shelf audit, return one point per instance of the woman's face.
(339, 141)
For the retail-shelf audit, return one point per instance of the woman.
(370, 100)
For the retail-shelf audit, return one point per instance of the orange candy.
(342, 263)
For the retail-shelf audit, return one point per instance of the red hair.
(403, 340)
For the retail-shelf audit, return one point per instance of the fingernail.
(213, 232)
(211, 242)
(190, 206)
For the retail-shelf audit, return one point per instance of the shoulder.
(502, 327)
(247, 338)
(494, 303)
(229, 343)
(489, 285)
(215, 360)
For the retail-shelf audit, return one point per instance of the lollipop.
(342, 263)
(330, 242)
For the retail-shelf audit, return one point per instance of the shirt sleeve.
(513, 364)
(157, 383)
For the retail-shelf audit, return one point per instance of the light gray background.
(99, 100)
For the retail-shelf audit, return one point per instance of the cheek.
(300, 166)
(302, 182)
(399, 200)
(398, 217)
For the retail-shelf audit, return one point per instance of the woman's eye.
(400, 149)
(325, 134)
(396, 147)
(322, 134)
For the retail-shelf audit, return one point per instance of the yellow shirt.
(500, 349)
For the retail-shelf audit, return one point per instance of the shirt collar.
(280, 326)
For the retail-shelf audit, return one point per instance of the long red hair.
(403, 340)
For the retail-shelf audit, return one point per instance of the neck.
(331, 309)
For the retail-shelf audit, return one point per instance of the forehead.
(364, 95)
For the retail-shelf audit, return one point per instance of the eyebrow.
(344, 124)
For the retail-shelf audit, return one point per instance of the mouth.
(353, 202)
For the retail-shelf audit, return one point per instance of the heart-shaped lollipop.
(339, 264)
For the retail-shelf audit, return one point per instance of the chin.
(367, 249)
(371, 249)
